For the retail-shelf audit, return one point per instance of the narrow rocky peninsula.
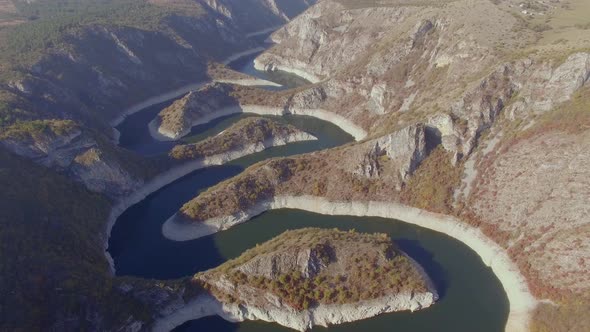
(210, 102)
(215, 100)
(247, 136)
(221, 73)
(309, 277)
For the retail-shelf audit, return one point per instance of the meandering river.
(472, 298)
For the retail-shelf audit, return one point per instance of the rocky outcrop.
(546, 85)
(380, 64)
(310, 256)
(323, 315)
(176, 120)
(406, 147)
(269, 13)
(223, 74)
(518, 88)
(308, 262)
(81, 155)
(253, 133)
(102, 69)
(102, 172)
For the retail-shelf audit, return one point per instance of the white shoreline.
(245, 53)
(264, 31)
(258, 65)
(249, 82)
(522, 303)
(177, 92)
(348, 126)
(178, 172)
(322, 315)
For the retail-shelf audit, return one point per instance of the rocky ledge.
(248, 136)
(310, 277)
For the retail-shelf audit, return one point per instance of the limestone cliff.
(80, 153)
(385, 66)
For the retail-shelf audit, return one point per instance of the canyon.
(470, 117)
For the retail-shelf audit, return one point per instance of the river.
(472, 298)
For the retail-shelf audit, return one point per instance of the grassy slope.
(31, 129)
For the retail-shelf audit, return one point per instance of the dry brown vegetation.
(26, 130)
(355, 267)
(531, 197)
(319, 174)
(434, 182)
(563, 318)
(211, 98)
(249, 131)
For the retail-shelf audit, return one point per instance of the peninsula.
(308, 277)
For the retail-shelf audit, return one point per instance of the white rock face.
(260, 64)
(307, 261)
(407, 146)
(377, 98)
(249, 82)
(325, 40)
(322, 315)
(266, 12)
(547, 87)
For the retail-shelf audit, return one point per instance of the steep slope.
(504, 107)
(93, 64)
(53, 272)
(80, 153)
(66, 75)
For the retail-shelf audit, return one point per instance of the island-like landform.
(309, 277)
(247, 136)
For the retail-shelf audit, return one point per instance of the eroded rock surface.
(310, 277)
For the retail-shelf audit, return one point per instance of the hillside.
(479, 116)
(472, 109)
(52, 255)
(68, 71)
(309, 277)
(89, 61)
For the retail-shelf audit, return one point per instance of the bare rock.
(308, 261)
(407, 147)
